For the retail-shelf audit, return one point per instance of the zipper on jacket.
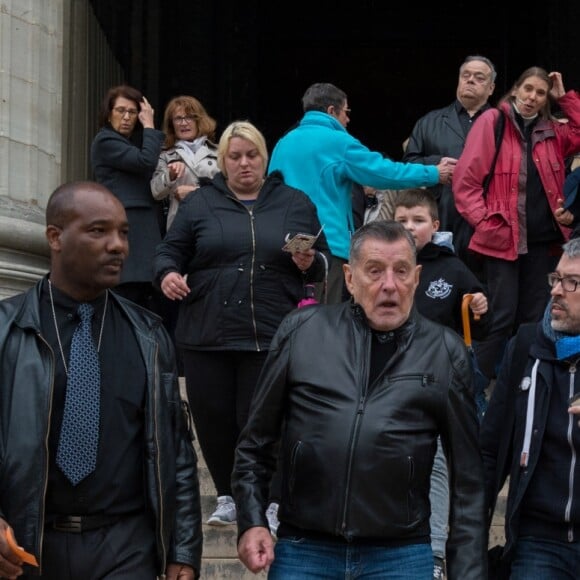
(425, 379)
(250, 211)
(571, 420)
(252, 267)
(356, 427)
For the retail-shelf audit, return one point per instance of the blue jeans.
(304, 559)
(536, 559)
(439, 499)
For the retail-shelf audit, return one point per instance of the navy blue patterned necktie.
(79, 433)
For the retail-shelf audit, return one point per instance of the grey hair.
(572, 248)
(320, 96)
(484, 59)
(384, 230)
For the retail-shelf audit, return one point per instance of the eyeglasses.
(123, 111)
(346, 111)
(568, 284)
(187, 119)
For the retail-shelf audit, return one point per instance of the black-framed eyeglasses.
(568, 284)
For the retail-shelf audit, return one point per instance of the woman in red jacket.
(519, 223)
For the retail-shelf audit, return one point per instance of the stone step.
(224, 568)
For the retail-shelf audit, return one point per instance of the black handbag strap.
(498, 132)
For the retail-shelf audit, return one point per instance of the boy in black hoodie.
(443, 282)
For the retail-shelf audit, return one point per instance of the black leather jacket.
(26, 386)
(357, 458)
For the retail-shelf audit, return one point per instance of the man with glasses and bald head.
(531, 434)
(442, 132)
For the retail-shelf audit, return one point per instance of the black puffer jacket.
(242, 282)
(357, 459)
(26, 385)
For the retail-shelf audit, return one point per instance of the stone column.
(30, 134)
(54, 66)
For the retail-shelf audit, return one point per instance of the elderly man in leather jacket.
(352, 399)
(135, 511)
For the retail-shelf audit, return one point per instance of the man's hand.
(179, 572)
(446, 167)
(10, 565)
(256, 549)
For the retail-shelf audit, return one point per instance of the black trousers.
(518, 293)
(220, 385)
(121, 551)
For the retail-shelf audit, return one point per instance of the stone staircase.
(219, 558)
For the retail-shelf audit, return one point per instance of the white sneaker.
(272, 515)
(225, 512)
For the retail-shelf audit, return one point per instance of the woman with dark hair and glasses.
(124, 155)
(188, 154)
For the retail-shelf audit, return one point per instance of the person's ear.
(348, 277)
(436, 225)
(53, 234)
(418, 269)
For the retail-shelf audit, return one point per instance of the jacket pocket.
(493, 232)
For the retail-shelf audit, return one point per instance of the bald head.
(61, 204)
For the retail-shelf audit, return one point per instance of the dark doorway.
(396, 61)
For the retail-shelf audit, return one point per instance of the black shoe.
(439, 568)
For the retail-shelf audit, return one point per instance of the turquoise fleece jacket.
(322, 159)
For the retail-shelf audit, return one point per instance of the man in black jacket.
(352, 399)
(442, 133)
(133, 511)
(530, 434)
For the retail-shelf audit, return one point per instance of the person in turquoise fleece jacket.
(322, 159)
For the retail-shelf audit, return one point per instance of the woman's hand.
(304, 259)
(176, 170)
(174, 286)
(182, 191)
(557, 85)
(146, 114)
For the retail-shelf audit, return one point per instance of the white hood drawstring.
(529, 415)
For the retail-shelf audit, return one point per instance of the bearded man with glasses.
(531, 435)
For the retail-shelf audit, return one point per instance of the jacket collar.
(403, 334)
(28, 314)
(321, 119)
